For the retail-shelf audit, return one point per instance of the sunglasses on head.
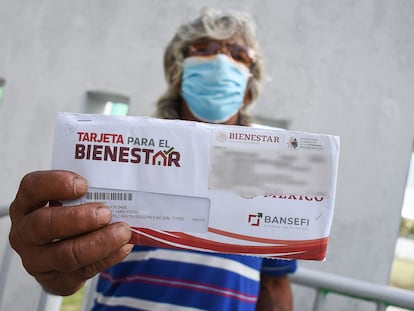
(239, 53)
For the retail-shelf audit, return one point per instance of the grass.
(73, 302)
(402, 273)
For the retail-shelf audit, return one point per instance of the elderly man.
(213, 68)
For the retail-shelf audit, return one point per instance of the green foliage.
(407, 227)
(402, 274)
(73, 302)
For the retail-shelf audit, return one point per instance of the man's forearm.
(275, 294)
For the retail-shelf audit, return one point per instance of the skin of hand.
(63, 246)
(275, 294)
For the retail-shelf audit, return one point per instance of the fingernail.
(124, 232)
(104, 215)
(79, 185)
(127, 248)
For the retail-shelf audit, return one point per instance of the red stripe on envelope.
(314, 249)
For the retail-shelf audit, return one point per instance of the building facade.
(344, 68)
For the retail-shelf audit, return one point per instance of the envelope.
(216, 188)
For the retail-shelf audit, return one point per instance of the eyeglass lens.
(237, 52)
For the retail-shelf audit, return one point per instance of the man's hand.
(275, 294)
(60, 246)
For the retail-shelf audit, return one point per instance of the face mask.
(214, 88)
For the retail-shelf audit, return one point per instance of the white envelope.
(191, 185)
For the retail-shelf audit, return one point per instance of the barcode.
(109, 196)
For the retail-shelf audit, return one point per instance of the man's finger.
(62, 222)
(52, 280)
(73, 254)
(38, 188)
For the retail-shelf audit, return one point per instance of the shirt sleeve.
(278, 267)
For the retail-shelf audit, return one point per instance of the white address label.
(149, 210)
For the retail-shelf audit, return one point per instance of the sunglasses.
(239, 53)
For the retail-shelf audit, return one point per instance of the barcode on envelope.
(109, 196)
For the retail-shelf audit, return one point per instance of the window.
(117, 109)
(98, 102)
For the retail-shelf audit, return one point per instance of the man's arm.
(275, 294)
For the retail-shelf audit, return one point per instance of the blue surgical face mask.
(214, 88)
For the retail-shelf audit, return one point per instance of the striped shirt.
(165, 279)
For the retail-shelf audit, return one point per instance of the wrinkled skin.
(60, 246)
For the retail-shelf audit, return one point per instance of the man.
(213, 68)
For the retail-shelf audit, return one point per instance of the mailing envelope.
(218, 188)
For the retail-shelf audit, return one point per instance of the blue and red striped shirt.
(165, 279)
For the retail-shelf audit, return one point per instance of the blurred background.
(340, 67)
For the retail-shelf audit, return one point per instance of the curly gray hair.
(210, 24)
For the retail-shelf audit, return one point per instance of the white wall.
(340, 67)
